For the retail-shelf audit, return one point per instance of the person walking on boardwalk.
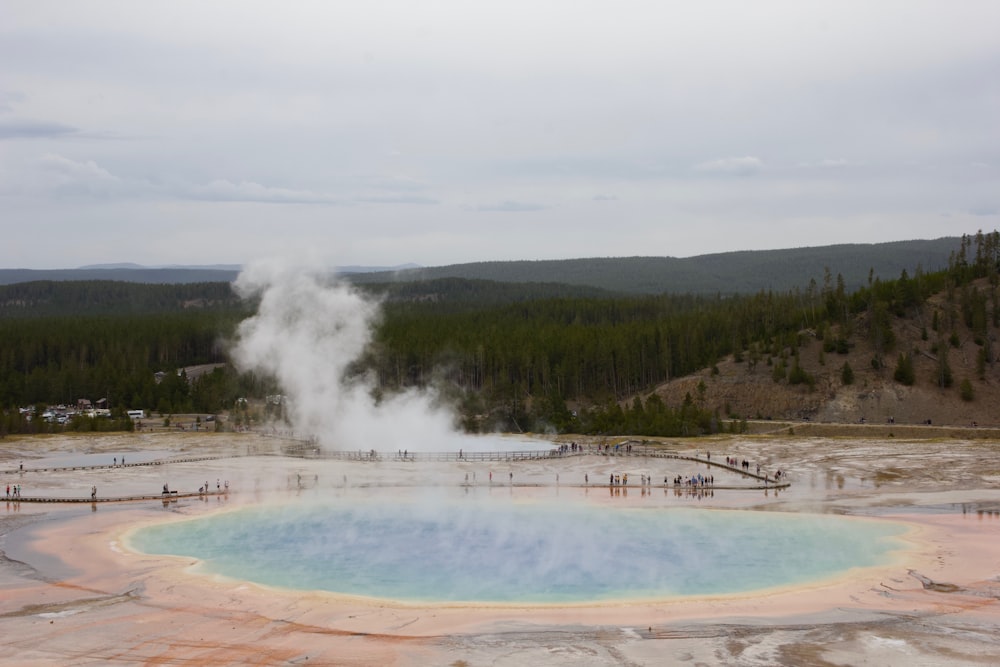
(93, 493)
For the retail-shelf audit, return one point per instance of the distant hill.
(128, 275)
(741, 272)
(158, 275)
(725, 273)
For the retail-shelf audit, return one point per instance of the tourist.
(93, 493)
(8, 490)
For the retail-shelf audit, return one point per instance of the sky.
(435, 132)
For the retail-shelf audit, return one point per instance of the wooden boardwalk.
(164, 497)
(158, 462)
(307, 450)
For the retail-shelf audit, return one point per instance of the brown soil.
(874, 397)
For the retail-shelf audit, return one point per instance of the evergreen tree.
(847, 374)
(942, 376)
(966, 391)
(904, 373)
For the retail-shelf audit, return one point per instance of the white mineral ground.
(71, 592)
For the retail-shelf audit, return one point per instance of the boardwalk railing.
(311, 451)
(110, 466)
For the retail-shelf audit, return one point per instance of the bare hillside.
(874, 396)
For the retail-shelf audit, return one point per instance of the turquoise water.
(503, 551)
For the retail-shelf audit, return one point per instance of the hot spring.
(503, 551)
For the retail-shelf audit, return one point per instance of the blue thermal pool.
(505, 551)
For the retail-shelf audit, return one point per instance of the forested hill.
(135, 274)
(745, 272)
(48, 298)
(108, 297)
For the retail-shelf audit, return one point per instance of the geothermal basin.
(75, 588)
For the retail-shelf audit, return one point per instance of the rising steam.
(307, 332)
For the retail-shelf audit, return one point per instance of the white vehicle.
(136, 414)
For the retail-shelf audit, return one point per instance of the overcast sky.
(440, 132)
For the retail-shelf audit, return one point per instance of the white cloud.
(399, 199)
(736, 166)
(510, 206)
(398, 183)
(70, 176)
(248, 191)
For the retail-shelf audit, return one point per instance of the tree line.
(562, 359)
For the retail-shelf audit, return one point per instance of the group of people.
(745, 466)
(620, 448)
(647, 480)
(15, 490)
(622, 479)
(693, 480)
(219, 487)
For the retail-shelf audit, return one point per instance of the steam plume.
(306, 333)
